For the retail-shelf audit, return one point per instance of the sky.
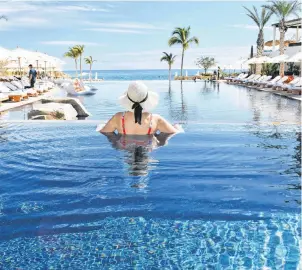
(132, 35)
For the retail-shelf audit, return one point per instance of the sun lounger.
(3, 97)
(264, 81)
(272, 82)
(286, 86)
(295, 88)
(246, 78)
(279, 83)
(17, 96)
(234, 78)
(255, 81)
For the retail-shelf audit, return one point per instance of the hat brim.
(148, 105)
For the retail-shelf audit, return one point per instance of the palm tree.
(80, 49)
(169, 58)
(283, 10)
(3, 17)
(89, 61)
(182, 36)
(74, 54)
(260, 22)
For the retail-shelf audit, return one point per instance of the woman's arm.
(110, 125)
(165, 127)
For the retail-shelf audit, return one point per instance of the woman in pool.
(137, 120)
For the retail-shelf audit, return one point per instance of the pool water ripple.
(225, 194)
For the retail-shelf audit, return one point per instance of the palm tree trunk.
(182, 61)
(90, 72)
(260, 46)
(76, 66)
(169, 74)
(281, 48)
(81, 66)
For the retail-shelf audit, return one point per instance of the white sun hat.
(139, 92)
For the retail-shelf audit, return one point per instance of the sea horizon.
(141, 74)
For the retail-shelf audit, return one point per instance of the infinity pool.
(223, 195)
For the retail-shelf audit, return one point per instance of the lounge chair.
(279, 83)
(257, 80)
(246, 78)
(286, 86)
(264, 81)
(295, 88)
(3, 97)
(17, 96)
(272, 82)
(235, 78)
(256, 77)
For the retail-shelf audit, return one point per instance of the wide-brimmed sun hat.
(139, 92)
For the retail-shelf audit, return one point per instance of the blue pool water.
(223, 195)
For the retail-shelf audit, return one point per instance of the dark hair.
(30, 65)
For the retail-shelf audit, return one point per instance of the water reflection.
(137, 149)
(272, 107)
(178, 109)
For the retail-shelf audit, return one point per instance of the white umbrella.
(258, 60)
(21, 55)
(295, 58)
(250, 61)
(5, 54)
(279, 58)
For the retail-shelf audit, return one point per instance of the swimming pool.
(223, 195)
(201, 102)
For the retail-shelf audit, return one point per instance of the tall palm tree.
(260, 21)
(80, 49)
(74, 54)
(182, 36)
(169, 58)
(3, 17)
(283, 10)
(89, 61)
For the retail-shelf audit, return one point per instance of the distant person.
(215, 75)
(32, 77)
(137, 120)
(218, 73)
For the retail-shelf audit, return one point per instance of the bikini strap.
(150, 126)
(123, 123)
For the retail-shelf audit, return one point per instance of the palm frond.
(169, 58)
(284, 9)
(253, 15)
(174, 40)
(194, 40)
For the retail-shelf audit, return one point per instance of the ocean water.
(226, 194)
(155, 74)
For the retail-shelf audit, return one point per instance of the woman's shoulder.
(118, 115)
(156, 116)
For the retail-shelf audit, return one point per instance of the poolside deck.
(6, 106)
